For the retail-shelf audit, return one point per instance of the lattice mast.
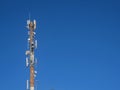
(30, 58)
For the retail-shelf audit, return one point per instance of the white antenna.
(27, 87)
(35, 72)
(28, 21)
(27, 62)
(34, 24)
(36, 44)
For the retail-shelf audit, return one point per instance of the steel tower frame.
(30, 57)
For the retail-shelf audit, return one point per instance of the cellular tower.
(30, 57)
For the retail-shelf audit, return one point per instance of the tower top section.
(31, 24)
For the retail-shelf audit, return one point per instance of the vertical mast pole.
(30, 53)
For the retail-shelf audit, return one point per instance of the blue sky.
(78, 44)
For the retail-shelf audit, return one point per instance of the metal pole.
(31, 25)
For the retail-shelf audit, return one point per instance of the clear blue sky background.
(78, 44)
